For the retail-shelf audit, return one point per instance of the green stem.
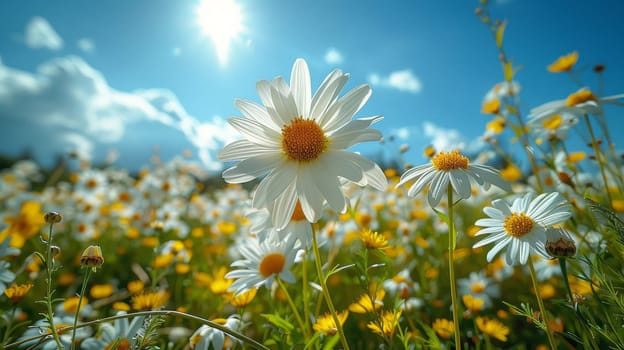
(328, 300)
(8, 330)
(209, 323)
(452, 241)
(540, 302)
(82, 292)
(293, 307)
(598, 158)
(49, 271)
(564, 272)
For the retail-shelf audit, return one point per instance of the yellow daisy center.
(518, 225)
(272, 263)
(298, 214)
(122, 344)
(580, 97)
(303, 140)
(553, 122)
(449, 161)
(477, 288)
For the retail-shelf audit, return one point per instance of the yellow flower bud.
(92, 257)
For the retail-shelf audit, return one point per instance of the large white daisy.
(522, 225)
(453, 168)
(300, 140)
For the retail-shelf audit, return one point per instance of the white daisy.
(480, 287)
(521, 225)
(300, 140)
(205, 336)
(263, 261)
(553, 127)
(122, 333)
(580, 103)
(453, 168)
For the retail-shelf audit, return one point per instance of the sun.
(221, 21)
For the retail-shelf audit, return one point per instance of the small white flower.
(579, 103)
(205, 336)
(450, 168)
(480, 287)
(263, 261)
(521, 226)
(122, 332)
(555, 126)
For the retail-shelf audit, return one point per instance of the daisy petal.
(300, 86)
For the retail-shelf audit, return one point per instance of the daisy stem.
(540, 302)
(564, 272)
(330, 304)
(598, 158)
(304, 329)
(304, 289)
(49, 271)
(82, 292)
(452, 242)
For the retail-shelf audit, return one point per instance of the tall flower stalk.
(452, 239)
(540, 302)
(325, 290)
(452, 173)
(51, 218)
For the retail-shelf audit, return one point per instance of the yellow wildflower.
(325, 324)
(443, 327)
(365, 304)
(564, 63)
(386, 325)
(493, 328)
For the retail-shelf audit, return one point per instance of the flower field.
(302, 244)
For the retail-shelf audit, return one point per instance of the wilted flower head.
(559, 243)
(92, 257)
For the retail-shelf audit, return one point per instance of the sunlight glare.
(221, 21)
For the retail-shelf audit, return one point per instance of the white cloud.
(73, 107)
(402, 133)
(333, 56)
(86, 45)
(444, 139)
(40, 34)
(402, 80)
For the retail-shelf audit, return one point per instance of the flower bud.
(92, 257)
(52, 217)
(559, 243)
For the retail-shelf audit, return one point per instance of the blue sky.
(95, 76)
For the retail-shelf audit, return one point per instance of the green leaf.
(432, 338)
(445, 218)
(312, 341)
(606, 217)
(331, 342)
(279, 322)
